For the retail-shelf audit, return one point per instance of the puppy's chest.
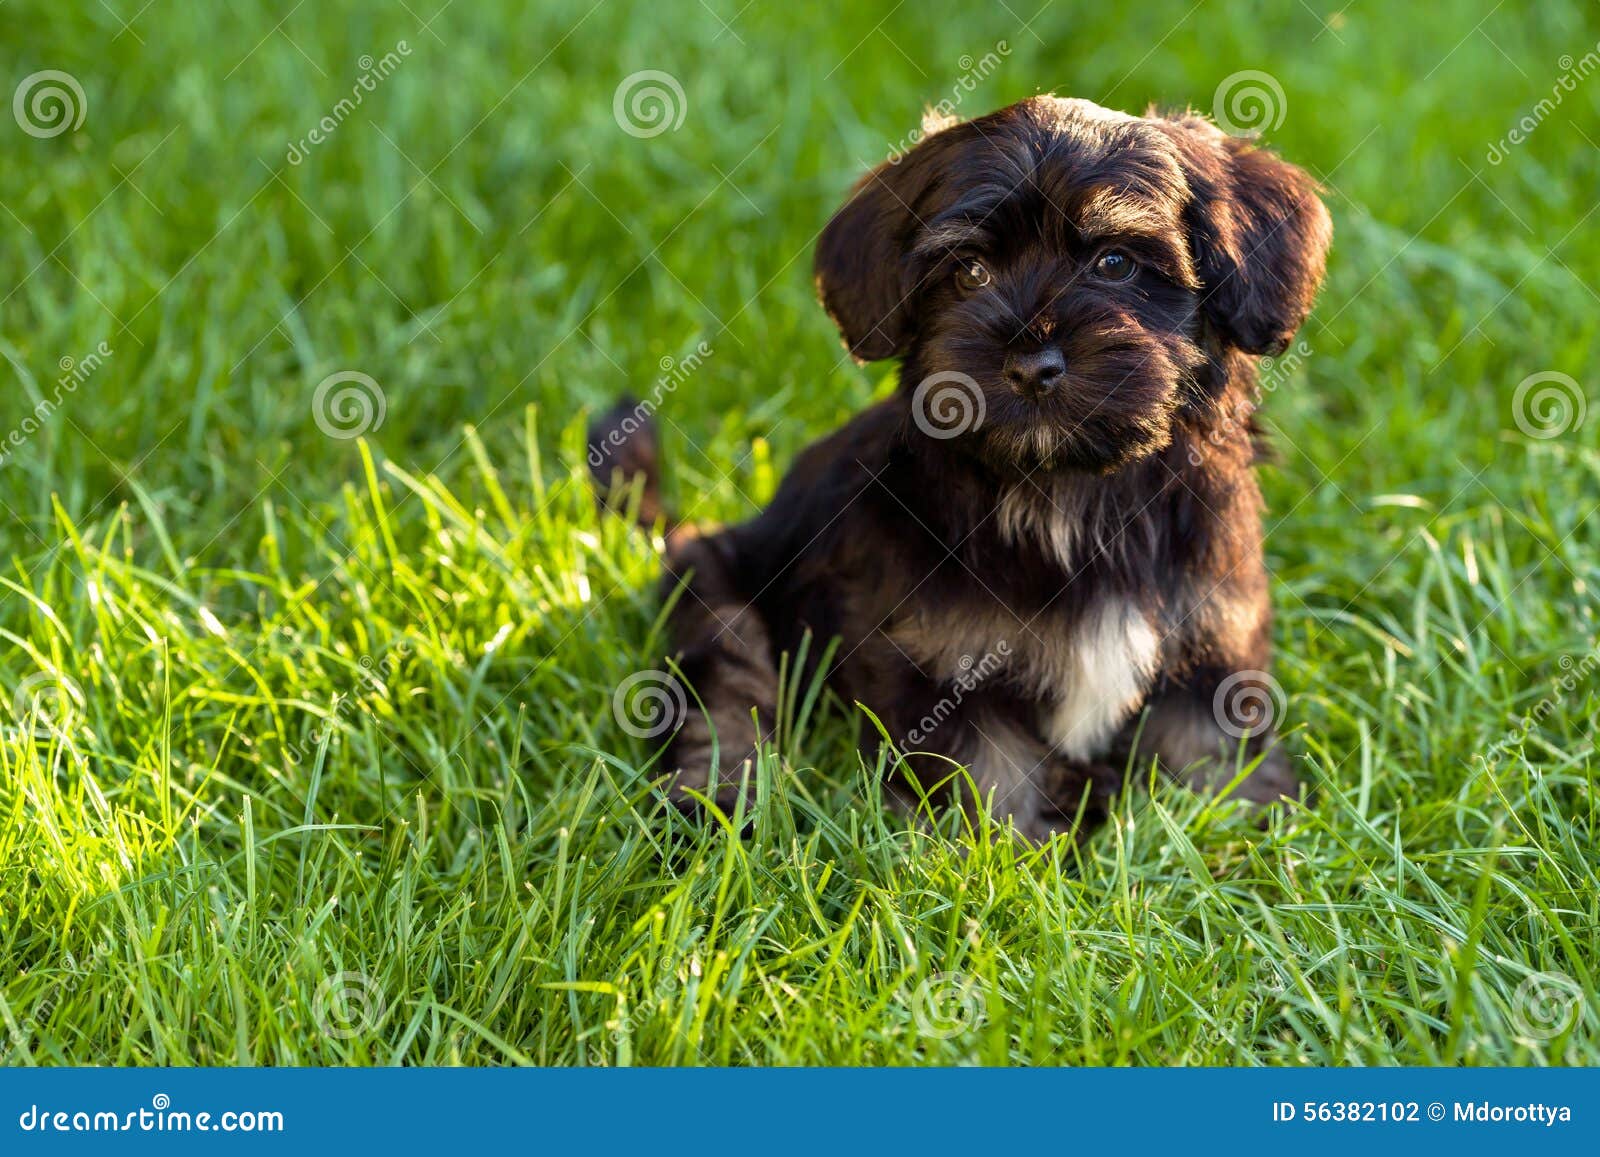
(1085, 673)
(1065, 583)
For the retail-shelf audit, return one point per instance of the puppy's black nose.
(1033, 375)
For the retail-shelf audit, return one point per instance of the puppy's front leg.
(1013, 772)
(1207, 726)
(1214, 709)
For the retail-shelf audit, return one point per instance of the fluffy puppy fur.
(1060, 497)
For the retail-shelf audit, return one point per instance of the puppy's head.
(1061, 279)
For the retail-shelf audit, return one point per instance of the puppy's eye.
(972, 275)
(1114, 265)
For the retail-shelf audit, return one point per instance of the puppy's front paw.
(1271, 781)
(1077, 796)
(691, 787)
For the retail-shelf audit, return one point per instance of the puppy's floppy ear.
(1260, 234)
(861, 268)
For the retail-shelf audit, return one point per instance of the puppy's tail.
(623, 450)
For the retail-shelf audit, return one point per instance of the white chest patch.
(1113, 660)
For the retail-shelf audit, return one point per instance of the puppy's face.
(1059, 277)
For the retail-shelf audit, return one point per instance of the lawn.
(309, 753)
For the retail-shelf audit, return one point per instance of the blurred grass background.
(322, 708)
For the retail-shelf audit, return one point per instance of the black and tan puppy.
(1063, 484)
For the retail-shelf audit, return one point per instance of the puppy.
(1042, 556)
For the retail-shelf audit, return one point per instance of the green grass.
(317, 761)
